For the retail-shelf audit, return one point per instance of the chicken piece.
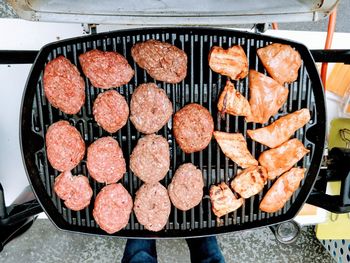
(233, 102)
(282, 190)
(281, 159)
(282, 62)
(234, 147)
(281, 130)
(250, 181)
(266, 97)
(223, 201)
(231, 62)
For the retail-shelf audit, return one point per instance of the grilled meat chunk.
(223, 201)
(233, 102)
(231, 62)
(234, 147)
(282, 190)
(266, 97)
(281, 130)
(250, 181)
(281, 61)
(281, 159)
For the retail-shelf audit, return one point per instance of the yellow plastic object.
(335, 139)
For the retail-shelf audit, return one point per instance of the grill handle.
(338, 170)
(331, 55)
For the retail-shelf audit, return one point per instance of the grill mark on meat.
(231, 62)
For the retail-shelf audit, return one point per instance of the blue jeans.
(202, 250)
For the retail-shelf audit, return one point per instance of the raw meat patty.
(161, 60)
(105, 160)
(74, 190)
(106, 69)
(152, 206)
(186, 188)
(150, 159)
(64, 145)
(193, 128)
(64, 87)
(112, 209)
(150, 108)
(111, 111)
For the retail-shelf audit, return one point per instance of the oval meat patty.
(162, 61)
(111, 111)
(64, 87)
(64, 146)
(186, 188)
(150, 108)
(152, 206)
(193, 128)
(74, 190)
(106, 69)
(112, 209)
(105, 160)
(150, 159)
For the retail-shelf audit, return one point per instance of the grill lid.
(201, 86)
(170, 12)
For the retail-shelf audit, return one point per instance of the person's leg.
(139, 251)
(205, 250)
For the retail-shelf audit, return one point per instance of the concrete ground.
(44, 243)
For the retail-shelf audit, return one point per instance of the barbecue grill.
(201, 86)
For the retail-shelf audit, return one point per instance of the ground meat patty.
(193, 127)
(64, 146)
(112, 209)
(111, 110)
(152, 206)
(150, 108)
(106, 69)
(64, 87)
(150, 159)
(105, 160)
(186, 188)
(161, 60)
(74, 190)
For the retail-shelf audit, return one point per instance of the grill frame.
(39, 172)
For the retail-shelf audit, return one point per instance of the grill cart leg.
(18, 217)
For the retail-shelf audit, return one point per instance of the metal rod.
(17, 56)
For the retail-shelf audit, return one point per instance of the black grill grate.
(201, 86)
